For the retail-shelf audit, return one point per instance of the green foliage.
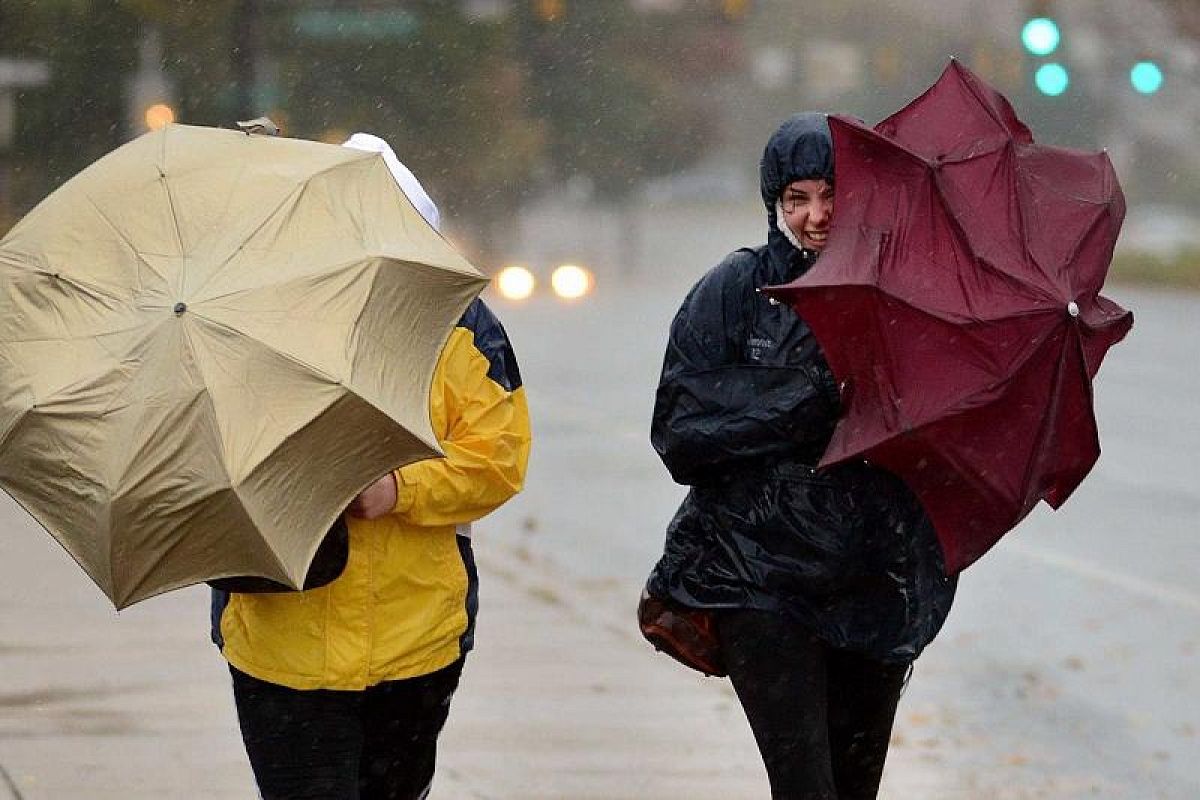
(68, 123)
(198, 40)
(446, 97)
(485, 110)
(1179, 270)
(617, 92)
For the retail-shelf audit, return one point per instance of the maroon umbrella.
(959, 300)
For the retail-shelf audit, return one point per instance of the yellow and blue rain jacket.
(405, 604)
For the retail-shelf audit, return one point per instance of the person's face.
(807, 210)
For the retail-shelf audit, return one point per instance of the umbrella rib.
(262, 223)
(937, 183)
(951, 319)
(318, 372)
(129, 442)
(1050, 417)
(889, 351)
(1025, 236)
(877, 319)
(1097, 221)
(891, 143)
(319, 271)
(1022, 365)
(48, 398)
(126, 442)
(30, 510)
(986, 266)
(1019, 369)
(81, 337)
(124, 239)
(293, 197)
(974, 155)
(176, 543)
(95, 290)
(387, 344)
(9, 261)
(6, 435)
(247, 388)
(40, 269)
(162, 175)
(991, 112)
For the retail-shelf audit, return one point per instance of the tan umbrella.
(209, 343)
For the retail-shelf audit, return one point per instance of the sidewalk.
(561, 698)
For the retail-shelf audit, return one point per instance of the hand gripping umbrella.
(959, 300)
(209, 343)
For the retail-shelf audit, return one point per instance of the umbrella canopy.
(959, 299)
(209, 343)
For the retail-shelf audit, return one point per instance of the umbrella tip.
(260, 125)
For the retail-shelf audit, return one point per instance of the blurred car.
(567, 282)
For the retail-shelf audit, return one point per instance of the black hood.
(801, 149)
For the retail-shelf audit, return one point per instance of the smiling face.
(807, 209)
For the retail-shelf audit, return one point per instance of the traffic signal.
(1052, 79)
(1146, 77)
(1040, 35)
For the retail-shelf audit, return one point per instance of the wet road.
(1070, 665)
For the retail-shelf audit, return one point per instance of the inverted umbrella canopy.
(209, 343)
(958, 298)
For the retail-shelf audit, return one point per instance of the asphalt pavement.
(1068, 667)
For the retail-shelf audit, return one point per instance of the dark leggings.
(822, 717)
(344, 745)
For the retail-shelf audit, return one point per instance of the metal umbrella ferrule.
(182, 307)
(1073, 308)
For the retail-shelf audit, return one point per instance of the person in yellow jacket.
(342, 690)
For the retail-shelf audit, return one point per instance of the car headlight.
(515, 283)
(571, 282)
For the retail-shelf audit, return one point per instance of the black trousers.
(344, 745)
(822, 717)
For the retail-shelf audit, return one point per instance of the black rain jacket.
(744, 409)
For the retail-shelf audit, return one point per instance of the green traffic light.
(1146, 77)
(1052, 79)
(1040, 36)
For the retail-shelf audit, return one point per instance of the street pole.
(245, 39)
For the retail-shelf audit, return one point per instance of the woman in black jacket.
(826, 584)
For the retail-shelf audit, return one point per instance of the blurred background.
(621, 138)
(557, 130)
